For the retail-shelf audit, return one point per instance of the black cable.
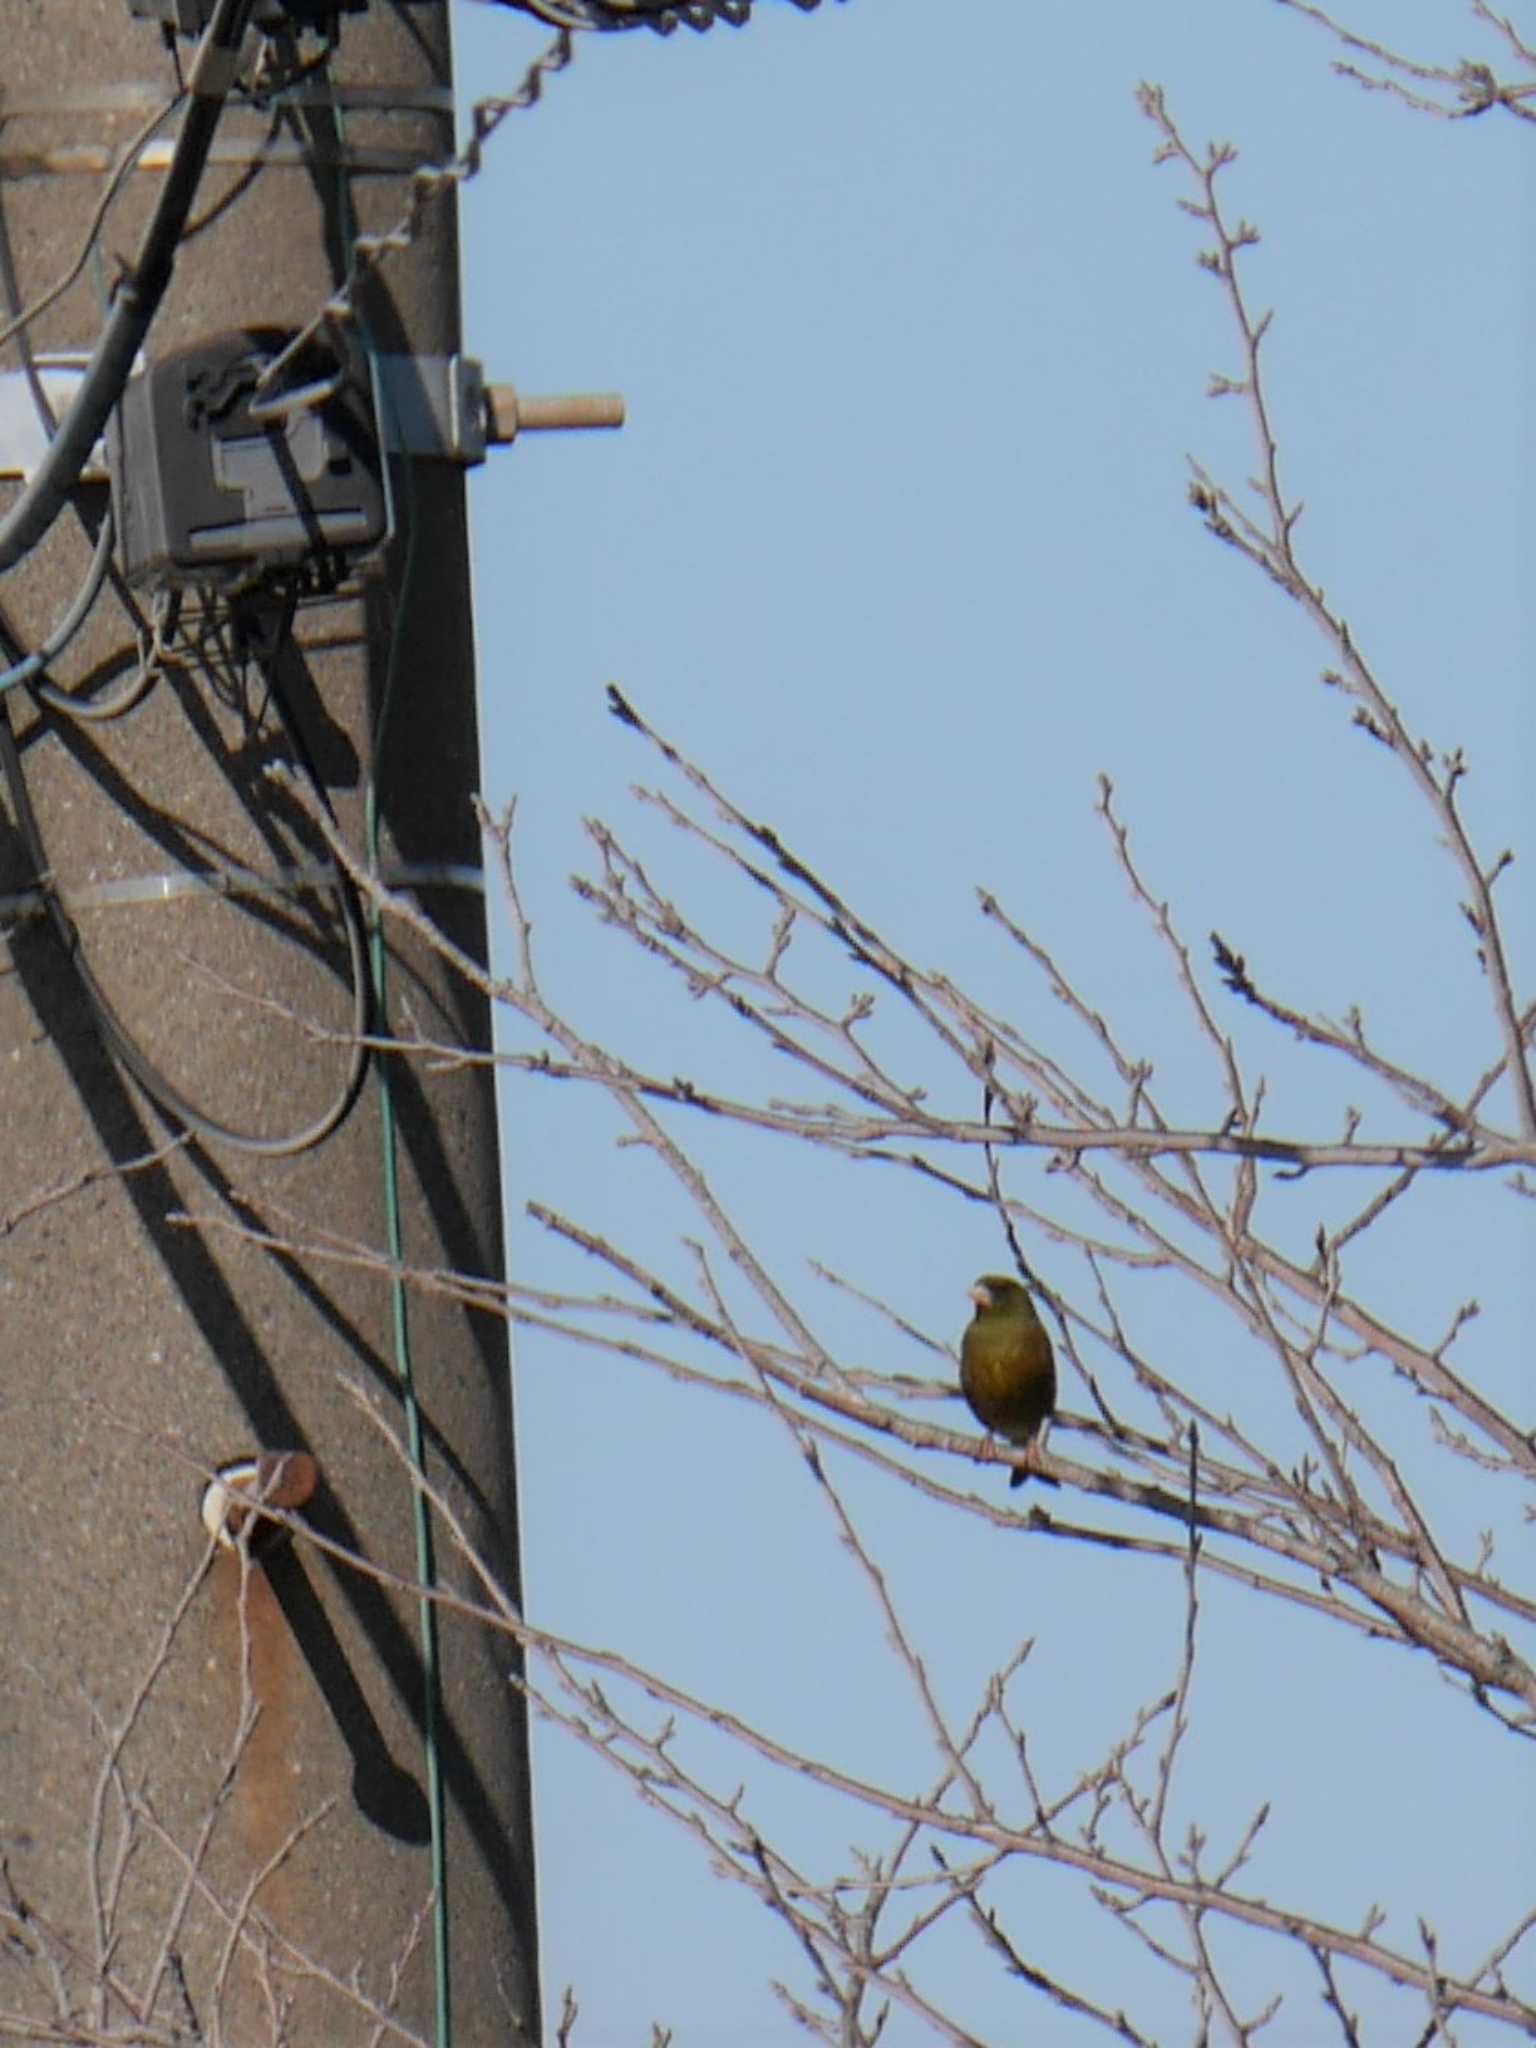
(29, 668)
(119, 1039)
(138, 297)
(21, 317)
(661, 15)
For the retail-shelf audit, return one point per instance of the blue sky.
(895, 543)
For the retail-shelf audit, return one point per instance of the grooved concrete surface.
(138, 1347)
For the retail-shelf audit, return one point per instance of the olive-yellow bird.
(1007, 1371)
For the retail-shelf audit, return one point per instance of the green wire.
(426, 1566)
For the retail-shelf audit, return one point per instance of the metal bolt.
(244, 1486)
(509, 413)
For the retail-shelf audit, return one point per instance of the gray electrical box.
(221, 484)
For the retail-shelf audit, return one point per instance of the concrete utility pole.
(167, 1872)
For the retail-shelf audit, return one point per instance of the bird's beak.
(982, 1296)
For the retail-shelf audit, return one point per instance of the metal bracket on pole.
(442, 406)
(437, 407)
(433, 406)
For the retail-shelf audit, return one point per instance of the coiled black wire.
(120, 1041)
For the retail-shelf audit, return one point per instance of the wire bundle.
(661, 15)
(53, 486)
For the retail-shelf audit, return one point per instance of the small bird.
(1007, 1371)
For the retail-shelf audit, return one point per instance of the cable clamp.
(214, 71)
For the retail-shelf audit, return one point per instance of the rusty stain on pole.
(268, 1789)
